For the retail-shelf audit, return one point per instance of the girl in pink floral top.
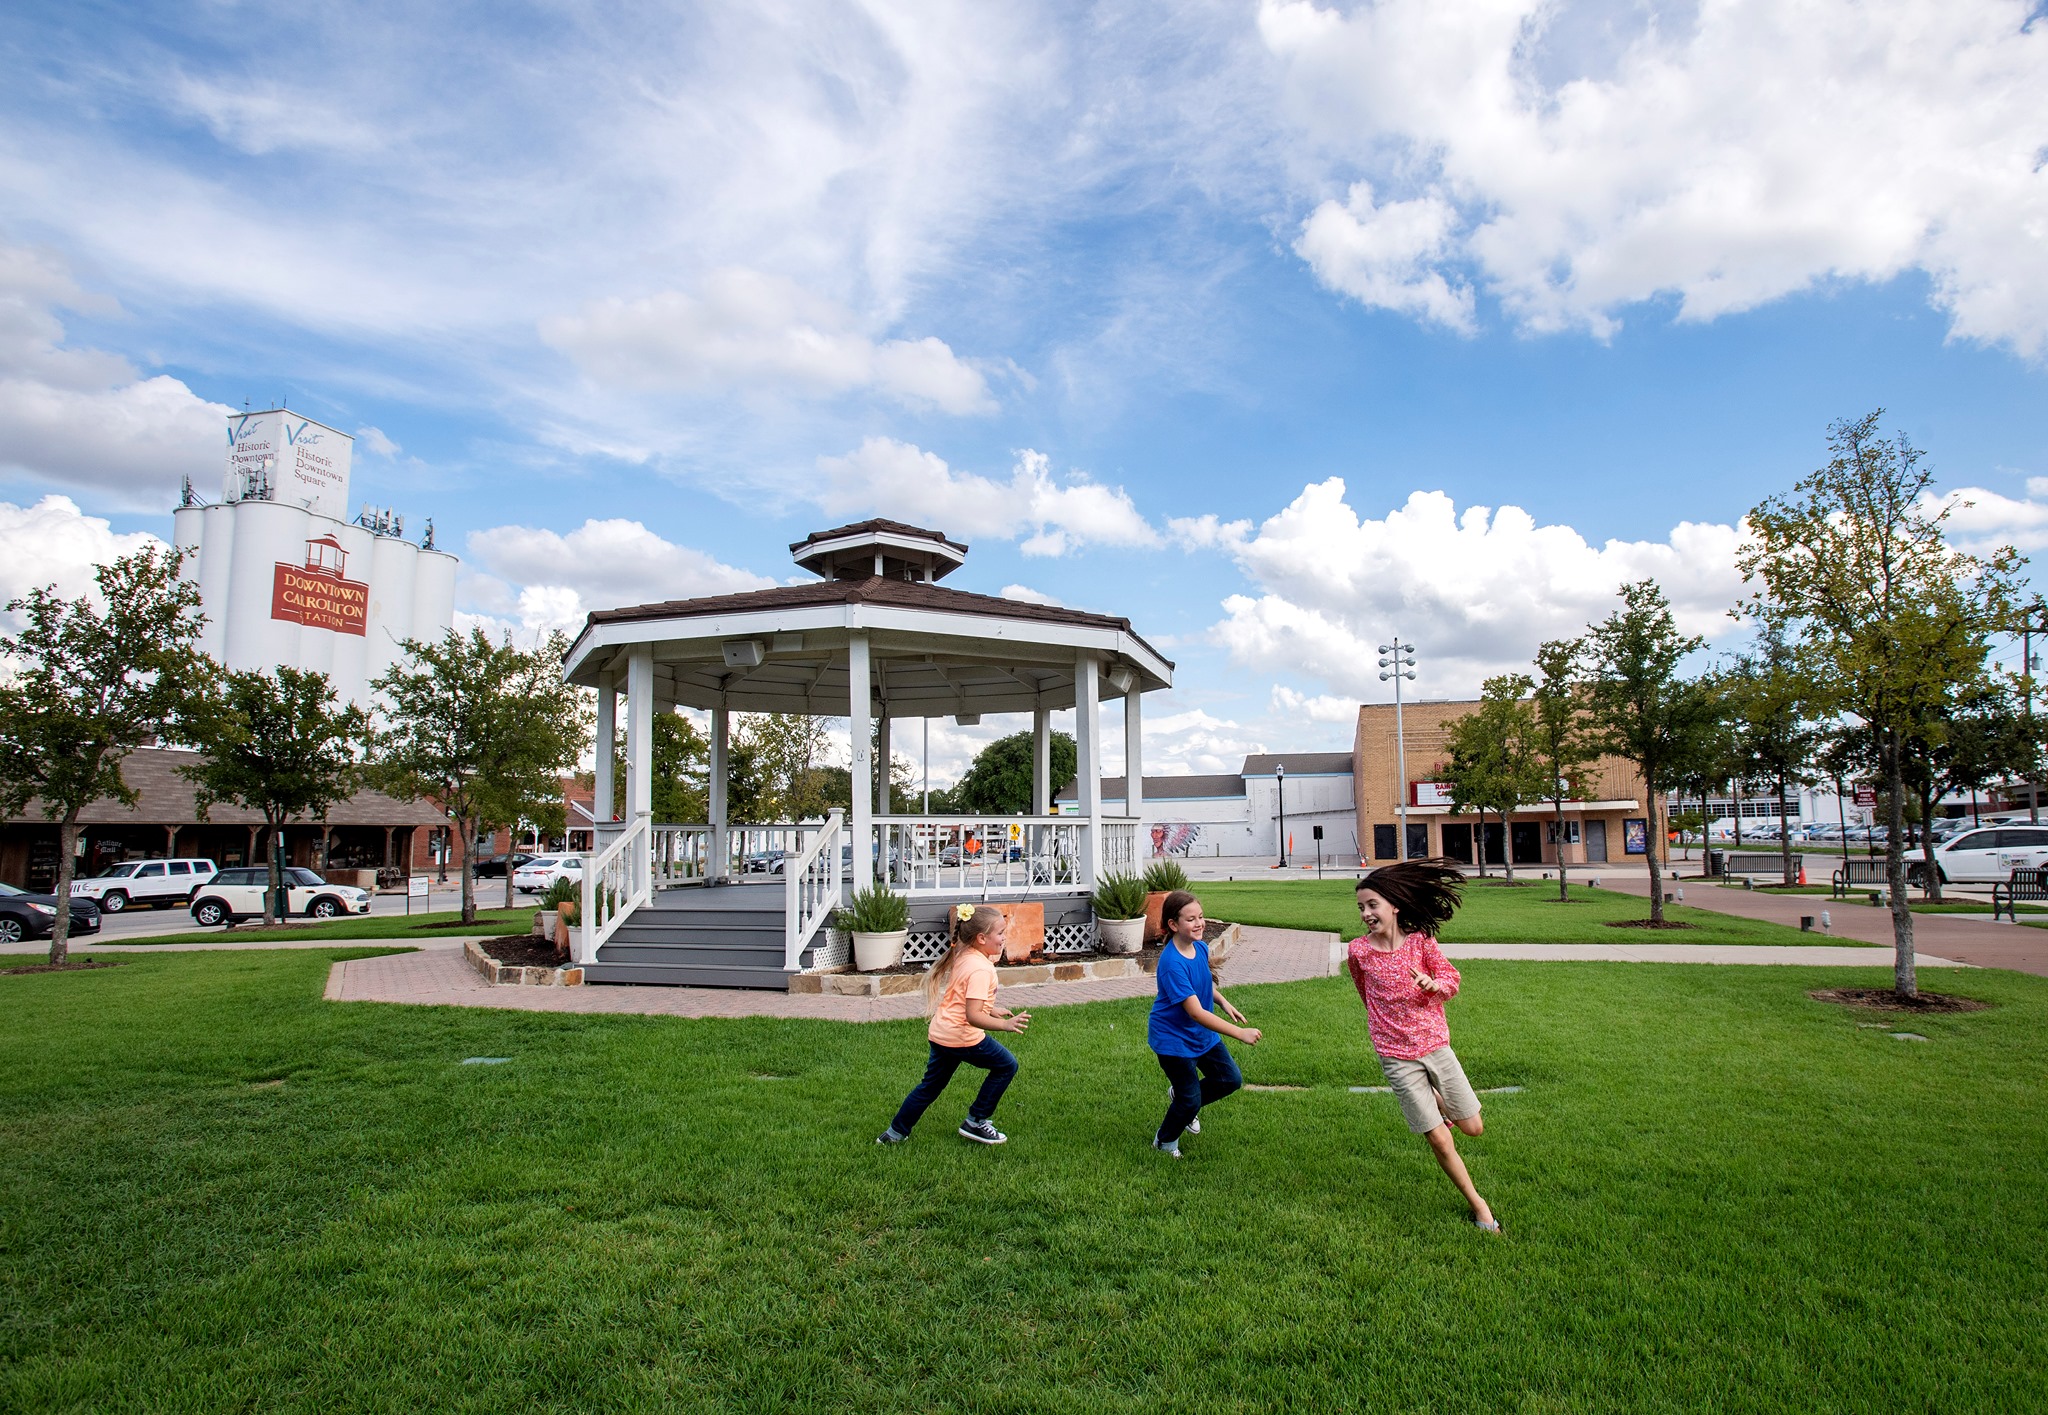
(1404, 980)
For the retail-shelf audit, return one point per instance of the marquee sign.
(317, 595)
(1429, 793)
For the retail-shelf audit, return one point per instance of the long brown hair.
(968, 924)
(1424, 893)
(1170, 907)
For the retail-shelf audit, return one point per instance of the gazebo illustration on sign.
(878, 640)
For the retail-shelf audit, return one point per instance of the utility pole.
(2034, 611)
(1280, 786)
(1402, 658)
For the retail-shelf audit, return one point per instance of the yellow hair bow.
(964, 912)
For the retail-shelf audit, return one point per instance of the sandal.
(1490, 1225)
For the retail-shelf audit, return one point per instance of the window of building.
(1458, 843)
(1418, 842)
(1383, 842)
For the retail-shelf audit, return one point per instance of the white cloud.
(54, 543)
(373, 441)
(1477, 591)
(1320, 707)
(1191, 741)
(81, 417)
(1026, 595)
(1742, 151)
(1982, 521)
(751, 330)
(897, 479)
(539, 579)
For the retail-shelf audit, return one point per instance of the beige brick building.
(1601, 828)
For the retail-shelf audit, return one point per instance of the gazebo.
(875, 638)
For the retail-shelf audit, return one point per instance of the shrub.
(1118, 896)
(562, 891)
(1165, 876)
(875, 910)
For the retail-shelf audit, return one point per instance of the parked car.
(764, 862)
(234, 895)
(494, 866)
(156, 882)
(537, 874)
(25, 916)
(1986, 856)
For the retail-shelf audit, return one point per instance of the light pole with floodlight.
(1397, 661)
(1280, 785)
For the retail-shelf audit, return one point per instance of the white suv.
(144, 882)
(1986, 856)
(535, 876)
(234, 895)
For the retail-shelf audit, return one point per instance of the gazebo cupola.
(883, 550)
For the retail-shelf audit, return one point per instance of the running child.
(960, 993)
(1404, 981)
(1184, 1031)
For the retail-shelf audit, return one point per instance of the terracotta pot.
(1121, 935)
(1155, 926)
(1023, 931)
(874, 952)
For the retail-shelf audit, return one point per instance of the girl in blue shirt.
(1185, 1031)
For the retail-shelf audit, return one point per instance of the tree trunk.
(67, 870)
(270, 895)
(1650, 851)
(468, 826)
(1903, 977)
(1784, 835)
(1507, 848)
(1483, 874)
(510, 836)
(1931, 884)
(1563, 890)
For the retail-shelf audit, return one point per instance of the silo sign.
(317, 594)
(284, 457)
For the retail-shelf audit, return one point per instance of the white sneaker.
(1171, 1151)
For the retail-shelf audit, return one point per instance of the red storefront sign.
(316, 595)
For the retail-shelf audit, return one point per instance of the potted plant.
(559, 905)
(1119, 905)
(1162, 877)
(879, 921)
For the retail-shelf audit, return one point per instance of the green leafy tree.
(483, 729)
(1493, 763)
(998, 781)
(279, 743)
(1559, 736)
(682, 763)
(88, 681)
(1640, 709)
(1771, 702)
(1855, 565)
(786, 751)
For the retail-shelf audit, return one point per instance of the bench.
(1737, 863)
(1859, 874)
(2030, 885)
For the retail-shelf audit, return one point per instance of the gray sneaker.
(890, 1137)
(1171, 1151)
(981, 1132)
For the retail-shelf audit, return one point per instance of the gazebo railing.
(681, 854)
(768, 849)
(810, 889)
(1120, 847)
(950, 854)
(615, 883)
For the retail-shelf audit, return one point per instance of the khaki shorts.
(1412, 1082)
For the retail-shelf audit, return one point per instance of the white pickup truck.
(156, 882)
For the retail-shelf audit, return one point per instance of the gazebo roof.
(894, 550)
(936, 651)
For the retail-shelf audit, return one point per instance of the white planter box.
(874, 952)
(1121, 935)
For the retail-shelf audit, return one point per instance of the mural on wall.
(1175, 838)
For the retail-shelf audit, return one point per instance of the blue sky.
(1225, 319)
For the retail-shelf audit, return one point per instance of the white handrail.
(810, 889)
(616, 882)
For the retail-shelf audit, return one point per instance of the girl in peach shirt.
(960, 993)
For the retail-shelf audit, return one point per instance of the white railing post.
(810, 889)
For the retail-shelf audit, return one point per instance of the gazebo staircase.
(719, 935)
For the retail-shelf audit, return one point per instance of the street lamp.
(1397, 661)
(1280, 785)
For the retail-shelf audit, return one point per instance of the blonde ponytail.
(968, 922)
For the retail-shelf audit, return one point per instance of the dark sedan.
(24, 915)
(495, 866)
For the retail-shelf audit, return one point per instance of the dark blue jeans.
(988, 1053)
(1219, 1077)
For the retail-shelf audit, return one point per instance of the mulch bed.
(522, 951)
(61, 967)
(1648, 924)
(1886, 1000)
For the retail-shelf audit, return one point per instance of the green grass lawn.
(417, 926)
(223, 1193)
(1492, 913)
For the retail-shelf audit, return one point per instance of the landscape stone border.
(511, 975)
(891, 984)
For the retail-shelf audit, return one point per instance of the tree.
(1640, 708)
(784, 751)
(1856, 567)
(280, 743)
(92, 679)
(682, 761)
(1558, 735)
(998, 781)
(1769, 700)
(1492, 763)
(480, 728)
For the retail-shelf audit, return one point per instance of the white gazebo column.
(601, 809)
(1088, 770)
(640, 759)
(858, 710)
(719, 865)
(1134, 758)
(882, 764)
(1041, 762)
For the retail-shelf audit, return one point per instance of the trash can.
(1717, 862)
